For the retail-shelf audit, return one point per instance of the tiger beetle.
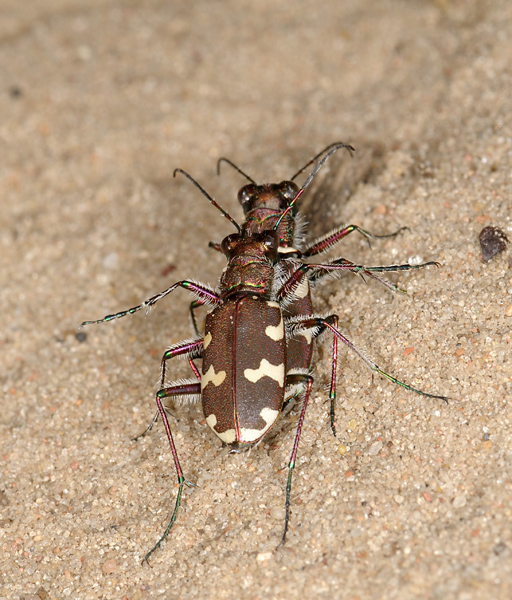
(258, 337)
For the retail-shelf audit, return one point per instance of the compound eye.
(246, 194)
(288, 189)
(229, 243)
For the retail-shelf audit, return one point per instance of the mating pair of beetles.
(257, 345)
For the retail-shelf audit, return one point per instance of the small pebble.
(375, 448)
(459, 501)
(110, 566)
(277, 512)
(15, 92)
(111, 260)
(492, 241)
(264, 556)
(80, 336)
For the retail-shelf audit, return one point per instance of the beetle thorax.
(251, 261)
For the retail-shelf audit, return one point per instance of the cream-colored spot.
(228, 437)
(276, 332)
(207, 340)
(211, 420)
(286, 250)
(273, 304)
(275, 372)
(308, 334)
(302, 290)
(211, 376)
(269, 416)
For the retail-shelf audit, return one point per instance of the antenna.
(205, 193)
(337, 144)
(332, 149)
(232, 164)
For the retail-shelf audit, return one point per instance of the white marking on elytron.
(269, 416)
(283, 250)
(207, 340)
(302, 290)
(228, 437)
(274, 304)
(275, 372)
(211, 421)
(276, 332)
(308, 334)
(211, 376)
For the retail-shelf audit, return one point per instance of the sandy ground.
(99, 102)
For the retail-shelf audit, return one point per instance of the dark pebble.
(492, 241)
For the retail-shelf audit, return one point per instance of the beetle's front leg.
(322, 244)
(200, 290)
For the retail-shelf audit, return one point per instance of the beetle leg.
(328, 240)
(317, 272)
(296, 385)
(203, 292)
(312, 327)
(295, 378)
(315, 326)
(177, 389)
(191, 347)
(193, 305)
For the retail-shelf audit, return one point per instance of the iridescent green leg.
(295, 326)
(203, 292)
(193, 349)
(317, 325)
(291, 464)
(175, 390)
(317, 272)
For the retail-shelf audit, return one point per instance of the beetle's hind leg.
(185, 388)
(316, 325)
(306, 381)
(191, 347)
